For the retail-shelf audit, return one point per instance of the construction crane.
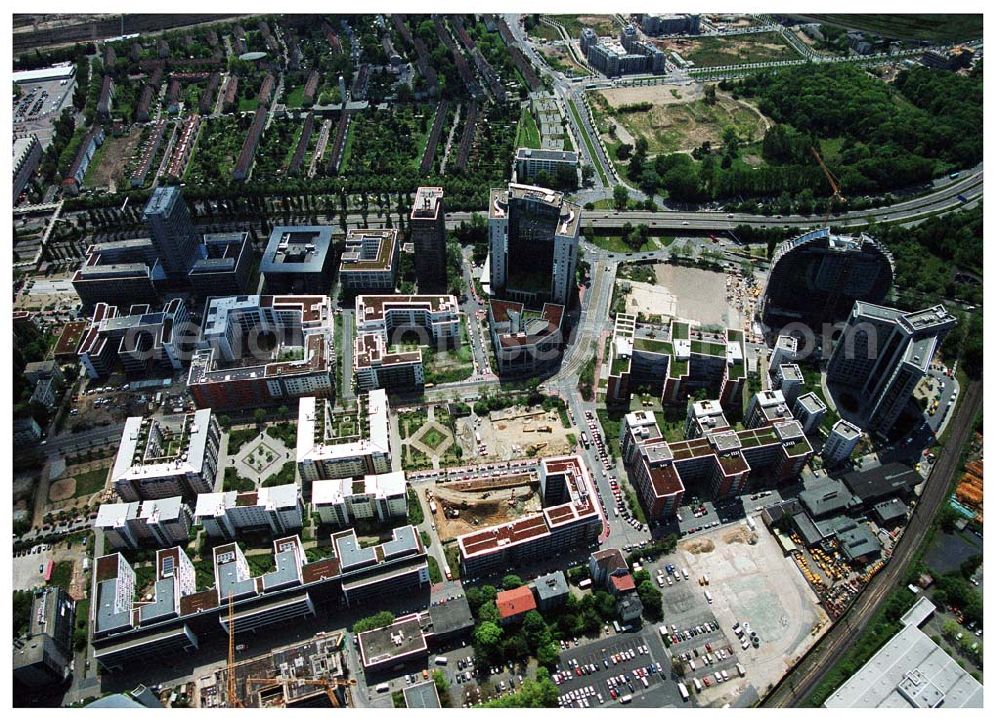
(834, 185)
(232, 700)
(327, 684)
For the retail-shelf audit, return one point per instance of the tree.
(512, 581)
(547, 654)
(620, 197)
(489, 612)
(710, 98)
(441, 683)
(259, 415)
(486, 640)
(651, 599)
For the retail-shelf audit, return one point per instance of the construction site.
(459, 507)
(512, 433)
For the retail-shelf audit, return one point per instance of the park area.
(731, 50)
(672, 118)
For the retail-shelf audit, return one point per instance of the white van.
(382, 688)
(441, 660)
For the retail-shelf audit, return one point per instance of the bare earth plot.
(680, 120)
(751, 581)
(114, 157)
(700, 295)
(731, 50)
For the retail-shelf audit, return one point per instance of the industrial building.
(133, 525)
(298, 260)
(881, 356)
(910, 671)
(277, 509)
(815, 279)
(534, 236)
(374, 497)
(164, 456)
(720, 464)
(325, 449)
(569, 520)
(235, 367)
(27, 156)
(427, 232)
(525, 341)
(370, 260)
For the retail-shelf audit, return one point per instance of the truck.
(685, 572)
(584, 440)
(683, 690)
(663, 631)
(962, 198)
(434, 508)
(740, 669)
(708, 596)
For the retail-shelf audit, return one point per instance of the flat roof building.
(427, 232)
(44, 657)
(133, 525)
(138, 340)
(570, 519)
(393, 646)
(552, 590)
(172, 230)
(557, 164)
(839, 445)
(910, 671)
(277, 509)
(298, 260)
(422, 695)
(336, 444)
(525, 341)
(534, 236)
(165, 456)
(809, 410)
(230, 371)
(224, 267)
(376, 497)
(370, 260)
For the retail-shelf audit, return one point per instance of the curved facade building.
(816, 278)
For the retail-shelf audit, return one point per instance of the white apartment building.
(840, 444)
(810, 410)
(380, 497)
(225, 514)
(329, 446)
(165, 456)
(132, 525)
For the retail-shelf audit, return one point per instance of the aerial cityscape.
(498, 360)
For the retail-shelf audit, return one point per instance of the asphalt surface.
(794, 690)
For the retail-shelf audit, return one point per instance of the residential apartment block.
(277, 509)
(139, 341)
(529, 163)
(720, 463)
(673, 361)
(164, 456)
(374, 497)
(133, 525)
(570, 519)
(43, 659)
(809, 410)
(236, 366)
(337, 444)
(839, 446)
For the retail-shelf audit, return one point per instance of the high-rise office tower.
(428, 236)
(174, 234)
(882, 355)
(534, 236)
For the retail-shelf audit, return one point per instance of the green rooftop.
(654, 346)
(678, 368)
(710, 348)
(799, 448)
(620, 364)
(681, 330)
(738, 370)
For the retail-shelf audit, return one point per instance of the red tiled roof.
(624, 582)
(515, 602)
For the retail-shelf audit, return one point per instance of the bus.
(683, 689)
(584, 440)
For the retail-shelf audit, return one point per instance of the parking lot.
(645, 649)
(693, 519)
(753, 585)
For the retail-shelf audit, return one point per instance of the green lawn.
(434, 570)
(294, 98)
(599, 166)
(90, 482)
(62, 574)
(617, 244)
(528, 134)
(433, 438)
(739, 50)
(232, 481)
